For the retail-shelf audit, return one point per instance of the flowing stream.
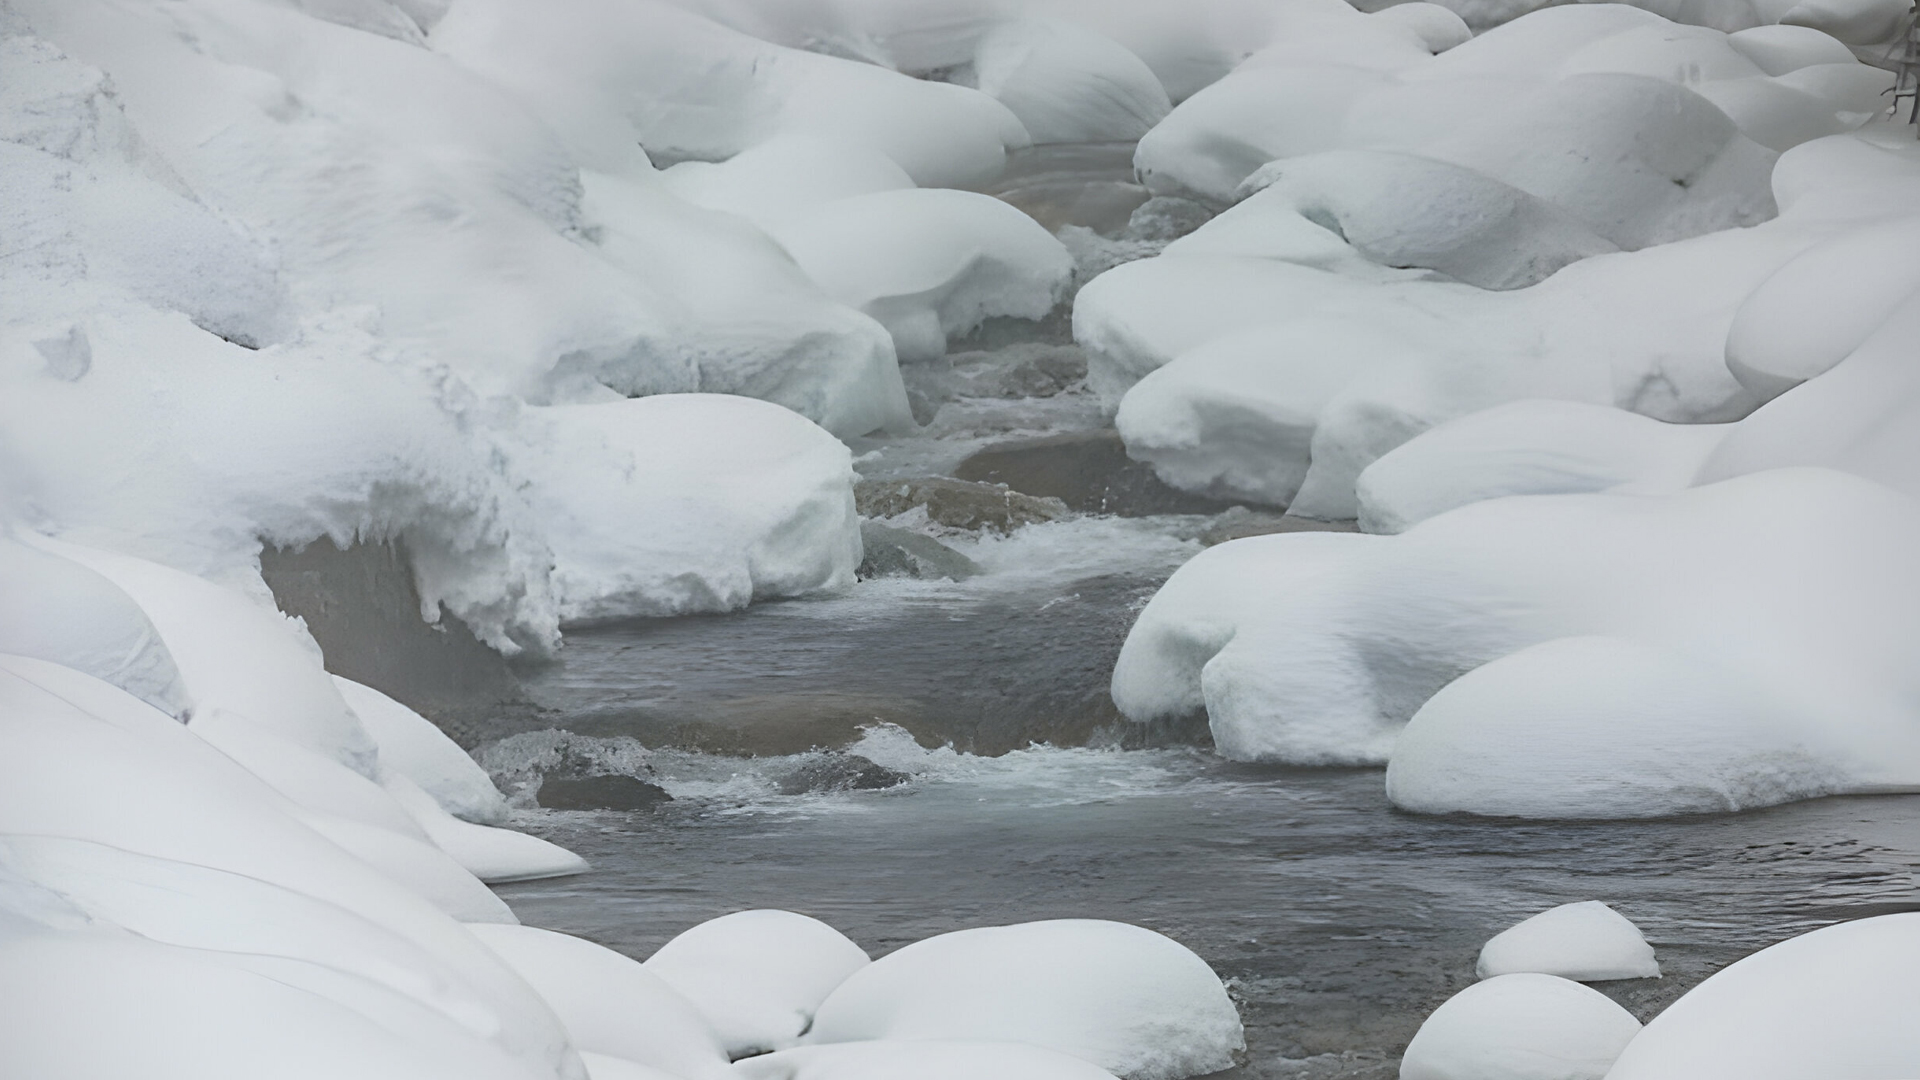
(1018, 793)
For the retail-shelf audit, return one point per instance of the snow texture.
(920, 1059)
(1586, 942)
(1520, 1027)
(757, 976)
(1126, 999)
(1832, 1003)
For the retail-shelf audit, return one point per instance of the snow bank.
(612, 78)
(920, 1060)
(1065, 82)
(1836, 1002)
(1315, 649)
(609, 1003)
(1585, 942)
(930, 265)
(1530, 448)
(163, 831)
(757, 976)
(785, 176)
(1136, 1004)
(688, 502)
(413, 747)
(1520, 1027)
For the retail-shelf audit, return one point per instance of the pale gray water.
(1338, 922)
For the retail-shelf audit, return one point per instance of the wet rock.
(600, 793)
(930, 384)
(892, 552)
(1032, 370)
(1240, 522)
(1165, 218)
(1087, 471)
(956, 504)
(838, 770)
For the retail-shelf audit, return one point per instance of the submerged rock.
(837, 770)
(892, 552)
(1032, 370)
(957, 504)
(1239, 523)
(1088, 471)
(600, 793)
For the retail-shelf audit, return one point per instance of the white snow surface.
(1135, 1003)
(1831, 1003)
(1585, 941)
(1520, 1027)
(1317, 648)
(609, 1003)
(757, 976)
(685, 503)
(413, 747)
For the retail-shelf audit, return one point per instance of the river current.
(1021, 794)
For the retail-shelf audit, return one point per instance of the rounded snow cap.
(1587, 942)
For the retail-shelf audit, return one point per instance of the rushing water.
(1338, 922)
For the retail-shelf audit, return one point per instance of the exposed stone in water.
(1087, 471)
(956, 504)
(1240, 522)
(837, 770)
(600, 793)
(892, 552)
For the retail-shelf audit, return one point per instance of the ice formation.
(1586, 942)
(1520, 1027)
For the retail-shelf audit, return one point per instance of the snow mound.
(163, 831)
(757, 976)
(1530, 448)
(609, 1003)
(1317, 648)
(1833, 1003)
(686, 503)
(921, 1060)
(1586, 942)
(1065, 82)
(412, 746)
(1137, 1004)
(1520, 1027)
(930, 265)
(785, 176)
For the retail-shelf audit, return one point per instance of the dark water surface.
(1339, 922)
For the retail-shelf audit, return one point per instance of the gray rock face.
(892, 552)
(838, 770)
(957, 504)
(1241, 522)
(600, 793)
(1087, 471)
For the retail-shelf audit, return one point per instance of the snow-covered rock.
(1520, 1027)
(922, 1060)
(1833, 1003)
(930, 265)
(1131, 1001)
(757, 976)
(685, 503)
(488, 853)
(1066, 83)
(785, 176)
(1316, 648)
(413, 747)
(1586, 942)
(609, 1003)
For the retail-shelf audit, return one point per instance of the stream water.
(1338, 922)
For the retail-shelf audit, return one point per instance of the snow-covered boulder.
(1065, 82)
(785, 176)
(757, 976)
(1586, 942)
(1520, 1027)
(685, 503)
(1131, 1001)
(1837, 1003)
(59, 610)
(930, 265)
(412, 746)
(183, 844)
(609, 1003)
(1316, 648)
(922, 1060)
